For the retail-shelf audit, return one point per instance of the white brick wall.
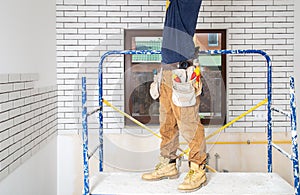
(87, 29)
(28, 119)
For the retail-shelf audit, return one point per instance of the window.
(212, 39)
(139, 75)
(213, 71)
(146, 43)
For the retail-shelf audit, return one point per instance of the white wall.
(35, 177)
(69, 165)
(88, 28)
(27, 45)
(27, 39)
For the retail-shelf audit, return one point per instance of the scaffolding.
(270, 144)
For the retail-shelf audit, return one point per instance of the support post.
(86, 187)
(100, 100)
(294, 136)
(270, 127)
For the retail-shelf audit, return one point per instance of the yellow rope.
(237, 118)
(244, 142)
(186, 152)
(251, 142)
(231, 122)
(211, 169)
(131, 118)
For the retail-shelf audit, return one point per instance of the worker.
(178, 88)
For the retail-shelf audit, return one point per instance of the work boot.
(163, 170)
(194, 179)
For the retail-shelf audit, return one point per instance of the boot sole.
(195, 189)
(164, 177)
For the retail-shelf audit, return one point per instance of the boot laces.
(158, 166)
(162, 163)
(190, 174)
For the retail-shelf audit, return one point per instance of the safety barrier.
(270, 144)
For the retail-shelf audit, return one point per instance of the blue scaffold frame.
(86, 186)
(293, 157)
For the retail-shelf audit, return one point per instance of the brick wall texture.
(28, 119)
(88, 28)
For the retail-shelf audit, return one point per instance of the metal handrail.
(210, 52)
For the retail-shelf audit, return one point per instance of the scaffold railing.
(293, 157)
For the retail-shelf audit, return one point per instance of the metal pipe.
(270, 127)
(282, 151)
(94, 111)
(100, 84)
(86, 187)
(217, 156)
(281, 111)
(294, 136)
(93, 152)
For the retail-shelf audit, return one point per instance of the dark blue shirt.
(179, 28)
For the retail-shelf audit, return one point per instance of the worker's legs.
(168, 124)
(192, 131)
(186, 119)
(166, 168)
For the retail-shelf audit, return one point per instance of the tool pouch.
(183, 93)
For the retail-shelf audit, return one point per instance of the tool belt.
(185, 85)
(183, 91)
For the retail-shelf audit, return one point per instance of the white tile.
(74, 2)
(3, 78)
(6, 87)
(3, 97)
(14, 95)
(6, 106)
(14, 77)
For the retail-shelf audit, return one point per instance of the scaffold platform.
(218, 184)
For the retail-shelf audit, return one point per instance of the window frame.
(223, 119)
